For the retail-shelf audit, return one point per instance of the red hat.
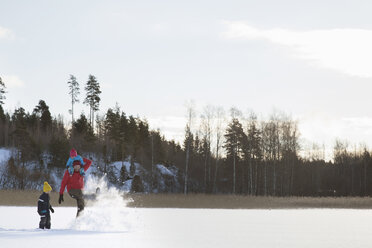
(76, 162)
(73, 153)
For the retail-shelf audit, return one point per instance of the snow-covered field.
(188, 228)
(108, 222)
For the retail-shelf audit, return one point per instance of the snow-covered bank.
(119, 174)
(5, 154)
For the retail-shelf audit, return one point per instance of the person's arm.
(64, 183)
(68, 163)
(51, 208)
(87, 164)
(81, 160)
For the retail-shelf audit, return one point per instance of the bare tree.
(289, 149)
(340, 151)
(206, 122)
(219, 121)
(253, 153)
(271, 145)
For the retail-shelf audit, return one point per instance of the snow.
(5, 154)
(165, 171)
(189, 228)
(108, 210)
(118, 164)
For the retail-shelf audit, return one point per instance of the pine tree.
(189, 140)
(122, 136)
(74, 91)
(82, 133)
(233, 144)
(19, 126)
(42, 110)
(2, 113)
(92, 99)
(2, 92)
(58, 148)
(112, 133)
(111, 124)
(123, 175)
(132, 168)
(188, 143)
(132, 136)
(4, 125)
(137, 185)
(27, 148)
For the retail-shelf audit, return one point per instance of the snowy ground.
(189, 228)
(108, 223)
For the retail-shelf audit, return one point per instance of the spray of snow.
(105, 211)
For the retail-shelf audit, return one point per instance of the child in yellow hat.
(44, 207)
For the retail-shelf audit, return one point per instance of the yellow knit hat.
(47, 187)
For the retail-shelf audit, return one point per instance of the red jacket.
(74, 181)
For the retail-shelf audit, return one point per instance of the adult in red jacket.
(75, 184)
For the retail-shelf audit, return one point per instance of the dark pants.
(77, 194)
(45, 221)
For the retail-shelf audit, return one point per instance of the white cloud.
(6, 33)
(345, 50)
(172, 127)
(12, 81)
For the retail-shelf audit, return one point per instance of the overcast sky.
(310, 59)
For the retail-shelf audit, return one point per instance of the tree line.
(265, 158)
(220, 153)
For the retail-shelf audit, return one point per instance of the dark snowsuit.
(43, 209)
(77, 194)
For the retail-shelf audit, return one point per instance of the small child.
(74, 157)
(44, 207)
